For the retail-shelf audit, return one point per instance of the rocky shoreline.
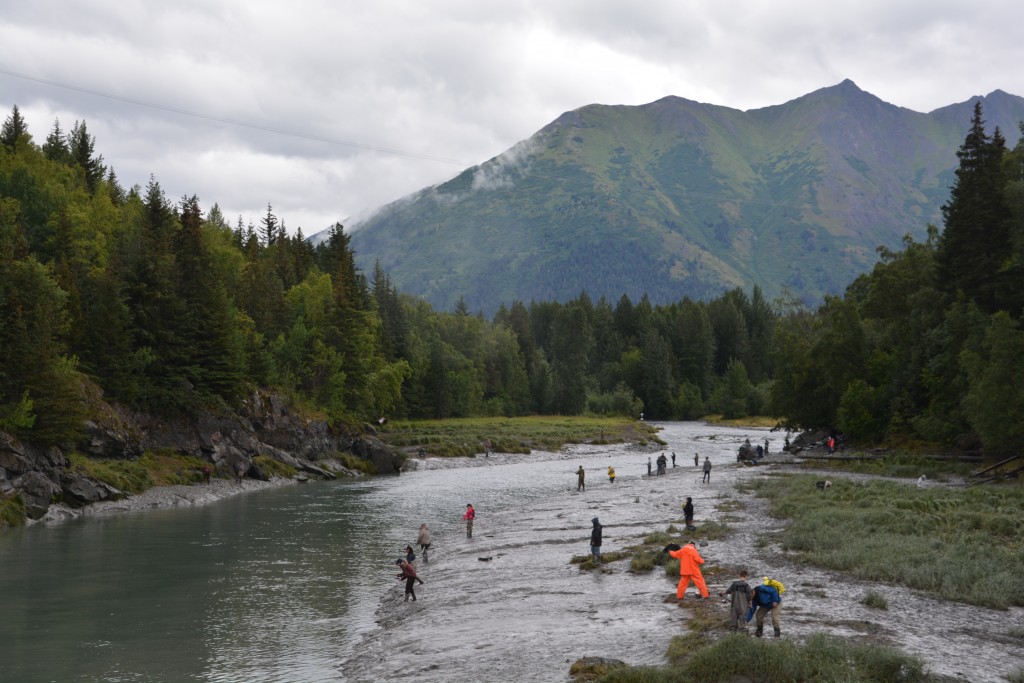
(160, 497)
(229, 444)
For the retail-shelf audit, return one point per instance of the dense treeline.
(168, 309)
(929, 344)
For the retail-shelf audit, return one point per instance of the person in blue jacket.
(765, 599)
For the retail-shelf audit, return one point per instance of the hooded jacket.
(595, 535)
(689, 559)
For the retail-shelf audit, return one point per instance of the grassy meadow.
(465, 436)
(962, 544)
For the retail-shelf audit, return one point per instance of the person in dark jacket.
(595, 540)
(707, 469)
(766, 599)
(688, 512)
(740, 593)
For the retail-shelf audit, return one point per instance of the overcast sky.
(389, 96)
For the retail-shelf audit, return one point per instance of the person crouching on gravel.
(767, 599)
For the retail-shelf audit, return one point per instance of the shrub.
(274, 468)
(357, 464)
(875, 600)
(12, 511)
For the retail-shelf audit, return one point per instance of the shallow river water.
(297, 584)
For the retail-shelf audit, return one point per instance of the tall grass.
(466, 436)
(959, 544)
(820, 658)
(900, 464)
(741, 658)
(154, 468)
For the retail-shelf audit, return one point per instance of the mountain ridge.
(680, 198)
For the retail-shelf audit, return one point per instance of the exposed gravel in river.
(507, 605)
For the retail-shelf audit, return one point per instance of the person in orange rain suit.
(689, 570)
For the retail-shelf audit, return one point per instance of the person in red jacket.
(469, 517)
(689, 570)
(409, 574)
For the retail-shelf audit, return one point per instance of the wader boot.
(758, 632)
(778, 633)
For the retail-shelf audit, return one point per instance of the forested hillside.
(165, 307)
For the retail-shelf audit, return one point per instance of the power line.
(236, 122)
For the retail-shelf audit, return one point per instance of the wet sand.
(507, 605)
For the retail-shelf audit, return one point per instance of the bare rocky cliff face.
(265, 424)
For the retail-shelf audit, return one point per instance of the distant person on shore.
(767, 599)
(240, 470)
(423, 540)
(611, 474)
(673, 458)
(707, 470)
(696, 460)
(689, 570)
(595, 540)
(469, 517)
(207, 471)
(581, 484)
(688, 513)
(409, 574)
(740, 593)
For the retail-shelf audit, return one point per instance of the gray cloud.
(448, 84)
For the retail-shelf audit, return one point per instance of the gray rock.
(37, 491)
(14, 463)
(83, 490)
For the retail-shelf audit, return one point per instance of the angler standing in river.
(469, 517)
(424, 542)
(581, 484)
(595, 540)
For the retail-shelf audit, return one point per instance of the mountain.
(677, 198)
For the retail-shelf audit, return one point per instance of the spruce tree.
(14, 129)
(81, 150)
(56, 146)
(975, 247)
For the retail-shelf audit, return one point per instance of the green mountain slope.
(679, 198)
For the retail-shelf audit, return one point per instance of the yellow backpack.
(777, 585)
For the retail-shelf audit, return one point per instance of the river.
(297, 584)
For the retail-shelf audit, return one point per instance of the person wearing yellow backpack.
(767, 598)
